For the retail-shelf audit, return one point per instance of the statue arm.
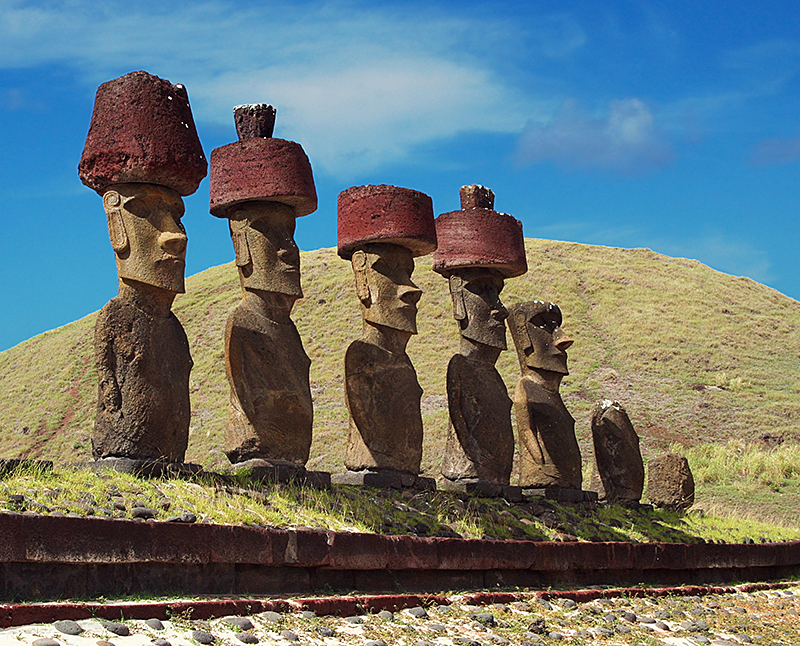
(106, 361)
(455, 401)
(527, 420)
(359, 391)
(236, 370)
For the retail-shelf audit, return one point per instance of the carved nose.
(173, 242)
(499, 313)
(410, 295)
(561, 340)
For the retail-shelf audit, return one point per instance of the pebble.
(568, 603)
(155, 624)
(375, 642)
(486, 618)
(271, 616)
(46, 641)
(289, 635)
(354, 620)
(308, 614)
(537, 626)
(202, 637)
(434, 627)
(325, 631)
(247, 637)
(240, 623)
(556, 636)
(161, 642)
(419, 612)
(115, 627)
(68, 627)
(143, 512)
(386, 615)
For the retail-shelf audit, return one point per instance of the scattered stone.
(375, 642)
(670, 484)
(537, 626)
(325, 631)
(422, 642)
(465, 641)
(701, 639)
(661, 625)
(545, 603)
(520, 605)
(418, 611)
(202, 637)
(289, 635)
(161, 642)
(497, 639)
(46, 641)
(354, 620)
(600, 631)
(143, 512)
(486, 618)
(556, 636)
(646, 620)
(247, 637)
(568, 604)
(115, 627)
(271, 616)
(386, 615)
(238, 623)
(434, 627)
(68, 627)
(622, 628)
(627, 615)
(309, 614)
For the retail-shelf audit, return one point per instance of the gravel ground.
(762, 618)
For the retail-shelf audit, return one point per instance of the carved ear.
(521, 323)
(240, 246)
(457, 294)
(112, 202)
(359, 261)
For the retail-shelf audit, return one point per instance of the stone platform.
(384, 479)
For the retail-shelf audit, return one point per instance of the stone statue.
(262, 185)
(549, 453)
(381, 230)
(141, 155)
(478, 249)
(616, 453)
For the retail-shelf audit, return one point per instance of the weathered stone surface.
(549, 452)
(143, 366)
(68, 627)
(262, 185)
(386, 214)
(262, 169)
(480, 441)
(616, 452)
(670, 483)
(142, 131)
(384, 479)
(478, 236)
(271, 412)
(383, 397)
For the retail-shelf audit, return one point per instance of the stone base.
(13, 465)
(557, 494)
(276, 472)
(482, 489)
(384, 479)
(146, 468)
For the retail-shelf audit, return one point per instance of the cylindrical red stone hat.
(479, 236)
(386, 214)
(258, 167)
(142, 131)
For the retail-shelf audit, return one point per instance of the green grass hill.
(697, 357)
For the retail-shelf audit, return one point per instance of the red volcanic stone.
(477, 236)
(386, 214)
(142, 131)
(262, 169)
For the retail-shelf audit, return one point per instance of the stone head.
(540, 342)
(266, 254)
(477, 306)
(144, 224)
(383, 284)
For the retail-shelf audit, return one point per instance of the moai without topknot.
(142, 154)
(616, 453)
(478, 249)
(381, 230)
(261, 185)
(549, 454)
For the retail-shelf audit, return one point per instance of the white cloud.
(625, 138)
(358, 86)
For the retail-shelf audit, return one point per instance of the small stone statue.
(478, 249)
(381, 230)
(261, 185)
(549, 452)
(616, 452)
(142, 154)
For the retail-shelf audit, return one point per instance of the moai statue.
(141, 155)
(381, 230)
(478, 249)
(549, 453)
(261, 185)
(616, 453)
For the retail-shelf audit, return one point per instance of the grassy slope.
(649, 330)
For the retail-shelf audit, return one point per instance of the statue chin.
(166, 275)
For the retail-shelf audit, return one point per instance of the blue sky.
(668, 125)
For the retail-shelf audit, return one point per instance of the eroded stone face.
(541, 343)
(267, 255)
(477, 305)
(147, 235)
(383, 283)
(549, 452)
(616, 452)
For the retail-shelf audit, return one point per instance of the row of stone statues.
(142, 154)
